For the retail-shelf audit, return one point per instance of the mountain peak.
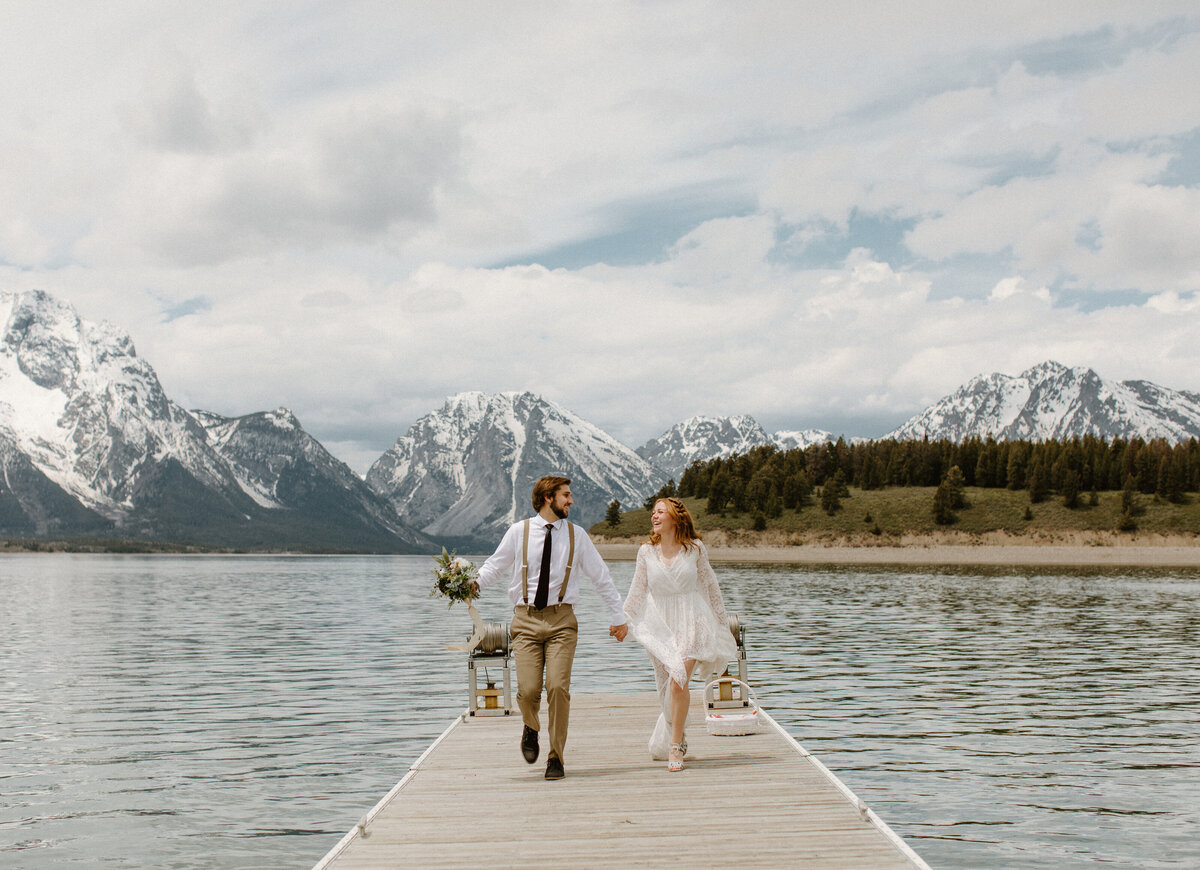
(704, 437)
(94, 445)
(466, 470)
(1051, 400)
(1048, 368)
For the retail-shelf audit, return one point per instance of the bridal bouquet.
(454, 578)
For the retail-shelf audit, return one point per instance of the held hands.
(619, 631)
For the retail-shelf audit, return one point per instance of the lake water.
(244, 712)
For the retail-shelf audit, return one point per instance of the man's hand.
(619, 631)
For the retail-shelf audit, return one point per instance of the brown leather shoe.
(554, 768)
(529, 744)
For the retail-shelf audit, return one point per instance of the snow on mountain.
(800, 439)
(91, 444)
(87, 411)
(1051, 400)
(31, 505)
(702, 438)
(467, 470)
(281, 466)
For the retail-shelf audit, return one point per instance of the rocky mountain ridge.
(703, 437)
(465, 471)
(90, 444)
(1051, 400)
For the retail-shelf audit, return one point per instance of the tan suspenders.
(525, 562)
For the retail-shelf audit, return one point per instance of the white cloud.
(172, 112)
(328, 190)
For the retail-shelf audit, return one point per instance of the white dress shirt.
(506, 563)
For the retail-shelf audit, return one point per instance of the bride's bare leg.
(680, 700)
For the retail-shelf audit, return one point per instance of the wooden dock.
(752, 801)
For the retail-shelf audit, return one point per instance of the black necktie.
(543, 590)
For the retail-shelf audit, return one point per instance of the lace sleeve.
(708, 584)
(635, 601)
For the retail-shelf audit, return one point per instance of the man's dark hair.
(546, 488)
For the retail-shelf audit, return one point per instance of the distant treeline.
(770, 479)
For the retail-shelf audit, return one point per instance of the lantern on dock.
(490, 695)
(492, 650)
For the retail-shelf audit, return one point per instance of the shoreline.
(1082, 549)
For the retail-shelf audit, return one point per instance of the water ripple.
(233, 712)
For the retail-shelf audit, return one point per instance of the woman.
(675, 610)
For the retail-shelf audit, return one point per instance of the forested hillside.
(896, 487)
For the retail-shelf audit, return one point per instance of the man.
(542, 558)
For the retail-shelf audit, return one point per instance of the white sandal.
(676, 765)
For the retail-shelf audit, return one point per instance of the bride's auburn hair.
(685, 529)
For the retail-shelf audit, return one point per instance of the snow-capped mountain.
(465, 471)
(87, 411)
(702, 438)
(84, 421)
(281, 466)
(1051, 400)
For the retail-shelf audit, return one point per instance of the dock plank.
(752, 801)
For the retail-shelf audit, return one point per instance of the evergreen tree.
(943, 515)
(667, 490)
(688, 480)
(1129, 499)
(1058, 473)
(873, 476)
(1039, 483)
(1146, 468)
(1177, 478)
(831, 502)
(613, 515)
(737, 496)
(758, 491)
(718, 493)
(1070, 489)
(1170, 480)
(1018, 457)
(985, 467)
(955, 488)
(797, 491)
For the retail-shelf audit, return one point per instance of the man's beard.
(560, 512)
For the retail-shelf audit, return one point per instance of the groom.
(542, 558)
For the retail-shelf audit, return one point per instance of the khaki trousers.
(543, 642)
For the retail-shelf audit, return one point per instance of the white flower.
(461, 564)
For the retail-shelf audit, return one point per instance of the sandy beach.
(1082, 549)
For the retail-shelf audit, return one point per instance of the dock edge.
(863, 810)
(360, 829)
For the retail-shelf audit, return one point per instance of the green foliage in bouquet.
(454, 578)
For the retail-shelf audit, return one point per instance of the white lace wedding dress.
(676, 612)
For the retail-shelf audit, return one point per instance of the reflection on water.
(245, 711)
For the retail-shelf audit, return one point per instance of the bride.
(676, 612)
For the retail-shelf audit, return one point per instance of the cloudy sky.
(821, 214)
